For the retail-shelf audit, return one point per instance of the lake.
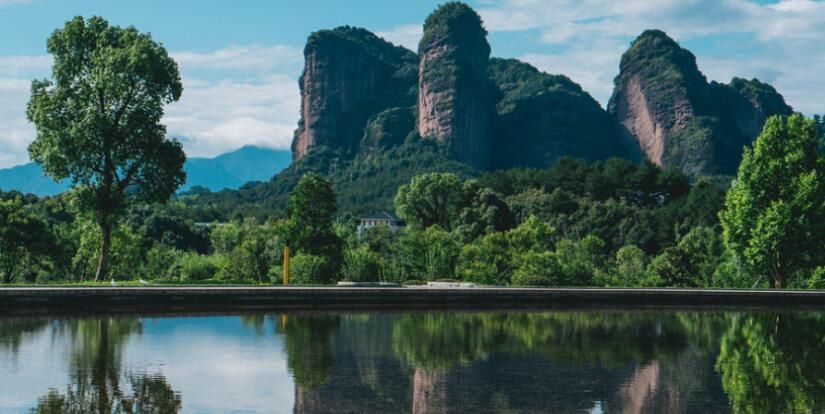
(582, 361)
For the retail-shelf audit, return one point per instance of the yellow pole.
(286, 264)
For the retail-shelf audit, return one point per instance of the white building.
(382, 218)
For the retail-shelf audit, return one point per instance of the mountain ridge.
(229, 170)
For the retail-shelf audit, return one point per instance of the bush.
(537, 269)
(195, 267)
(306, 269)
(486, 260)
(159, 262)
(361, 265)
(817, 279)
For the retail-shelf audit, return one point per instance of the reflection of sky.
(216, 364)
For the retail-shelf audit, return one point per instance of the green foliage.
(98, 120)
(771, 363)
(483, 211)
(631, 269)
(361, 265)
(311, 215)
(455, 20)
(538, 269)
(126, 253)
(159, 262)
(23, 239)
(306, 269)
(817, 279)
(431, 199)
(543, 117)
(673, 267)
(580, 261)
(774, 216)
(486, 261)
(369, 182)
(192, 266)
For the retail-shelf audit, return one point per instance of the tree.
(22, 235)
(631, 262)
(430, 199)
(774, 216)
(98, 120)
(311, 214)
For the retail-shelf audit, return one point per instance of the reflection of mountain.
(521, 363)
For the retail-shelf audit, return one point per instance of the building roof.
(380, 215)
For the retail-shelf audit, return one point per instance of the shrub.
(308, 269)
(195, 267)
(361, 265)
(537, 269)
(159, 262)
(817, 279)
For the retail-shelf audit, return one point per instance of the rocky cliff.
(663, 108)
(349, 75)
(454, 94)
(541, 118)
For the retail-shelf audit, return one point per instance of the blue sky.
(240, 59)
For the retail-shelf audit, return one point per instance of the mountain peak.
(452, 19)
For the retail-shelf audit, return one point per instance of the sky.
(240, 59)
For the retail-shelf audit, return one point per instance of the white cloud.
(778, 42)
(4, 3)
(15, 132)
(235, 96)
(215, 117)
(254, 57)
(407, 35)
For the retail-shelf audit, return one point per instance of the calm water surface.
(518, 362)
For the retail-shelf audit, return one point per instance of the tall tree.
(98, 120)
(774, 216)
(430, 199)
(311, 212)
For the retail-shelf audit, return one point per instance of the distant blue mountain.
(229, 170)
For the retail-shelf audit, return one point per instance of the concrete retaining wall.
(29, 300)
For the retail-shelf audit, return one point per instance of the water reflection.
(565, 362)
(96, 377)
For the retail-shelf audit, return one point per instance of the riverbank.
(127, 299)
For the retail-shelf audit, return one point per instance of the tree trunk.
(103, 264)
(776, 281)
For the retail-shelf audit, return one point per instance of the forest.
(577, 223)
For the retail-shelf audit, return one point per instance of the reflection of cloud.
(215, 363)
(772, 42)
(252, 371)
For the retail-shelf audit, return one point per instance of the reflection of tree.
(440, 341)
(435, 344)
(309, 348)
(12, 331)
(95, 373)
(772, 363)
(150, 394)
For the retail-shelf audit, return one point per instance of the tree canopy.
(774, 216)
(98, 119)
